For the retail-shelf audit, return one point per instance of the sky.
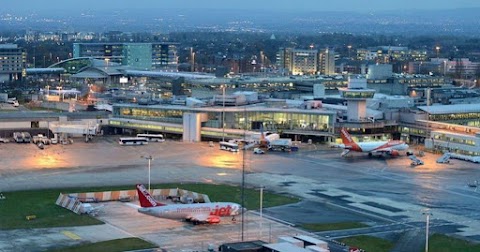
(298, 5)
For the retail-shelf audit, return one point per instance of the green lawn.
(443, 243)
(368, 243)
(41, 203)
(318, 227)
(18, 205)
(126, 244)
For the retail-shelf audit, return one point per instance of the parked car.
(258, 151)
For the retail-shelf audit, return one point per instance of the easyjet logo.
(221, 211)
(347, 136)
(147, 195)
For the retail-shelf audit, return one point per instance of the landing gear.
(233, 219)
(370, 154)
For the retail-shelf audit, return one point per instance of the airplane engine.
(213, 219)
(394, 153)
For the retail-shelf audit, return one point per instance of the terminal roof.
(451, 109)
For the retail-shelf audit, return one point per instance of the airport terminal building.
(196, 123)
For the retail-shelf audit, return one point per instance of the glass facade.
(457, 116)
(453, 139)
(357, 94)
(271, 120)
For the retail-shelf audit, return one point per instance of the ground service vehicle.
(153, 137)
(132, 141)
(233, 147)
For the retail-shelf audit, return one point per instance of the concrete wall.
(15, 125)
(356, 110)
(192, 127)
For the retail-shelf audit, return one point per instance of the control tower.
(356, 95)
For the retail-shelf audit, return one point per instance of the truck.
(281, 144)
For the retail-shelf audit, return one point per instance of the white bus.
(233, 147)
(152, 137)
(132, 141)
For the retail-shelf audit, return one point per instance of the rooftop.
(451, 109)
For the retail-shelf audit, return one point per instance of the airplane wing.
(204, 218)
(387, 150)
(383, 150)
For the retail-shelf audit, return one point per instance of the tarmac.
(386, 193)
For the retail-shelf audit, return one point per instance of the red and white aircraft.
(384, 147)
(195, 213)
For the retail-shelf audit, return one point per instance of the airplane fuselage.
(375, 146)
(186, 211)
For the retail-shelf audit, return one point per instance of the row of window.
(451, 139)
(459, 116)
(280, 120)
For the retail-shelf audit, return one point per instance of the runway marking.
(274, 219)
(71, 235)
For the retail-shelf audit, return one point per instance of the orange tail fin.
(146, 200)
(346, 138)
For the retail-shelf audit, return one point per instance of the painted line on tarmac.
(71, 235)
(274, 219)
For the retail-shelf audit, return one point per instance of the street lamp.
(444, 67)
(107, 60)
(223, 112)
(48, 90)
(427, 214)
(438, 50)
(349, 48)
(149, 158)
(261, 211)
(60, 92)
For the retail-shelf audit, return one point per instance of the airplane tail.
(262, 134)
(346, 138)
(146, 200)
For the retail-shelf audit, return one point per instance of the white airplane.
(383, 147)
(196, 213)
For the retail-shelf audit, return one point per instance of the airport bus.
(132, 141)
(233, 147)
(152, 137)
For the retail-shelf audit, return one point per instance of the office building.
(12, 62)
(326, 62)
(306, 62)
(143, 56)
(387, 54)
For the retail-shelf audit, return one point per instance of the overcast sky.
(315, 5)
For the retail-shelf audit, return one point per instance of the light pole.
(261, 211)
(438, 50)
(427, 214)
(349, 49)
(149, 158)
(444, 67)
(60, 92)
(223, 112)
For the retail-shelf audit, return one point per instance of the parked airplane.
(261, 140)
(195, 213)
(384, 147)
